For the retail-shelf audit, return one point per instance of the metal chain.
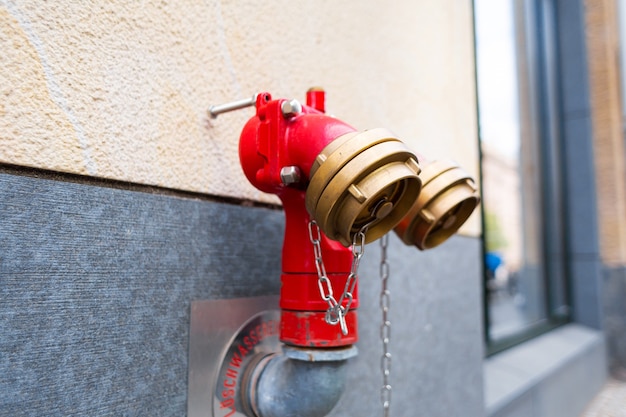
(385, 327)
(358, 248)
(323, 283)
(336, 312)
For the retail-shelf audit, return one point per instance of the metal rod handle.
(215, 110)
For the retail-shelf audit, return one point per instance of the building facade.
(122, 201)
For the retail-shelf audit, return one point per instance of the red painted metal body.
(270, 141)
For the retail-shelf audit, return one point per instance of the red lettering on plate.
(231, 373)
(239, 353)
(229, 403)
(235, 361)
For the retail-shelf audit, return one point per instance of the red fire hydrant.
(323, 170)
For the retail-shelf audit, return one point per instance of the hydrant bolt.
(291, 108)
(290, 175)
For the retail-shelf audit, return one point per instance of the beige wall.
(121, 90)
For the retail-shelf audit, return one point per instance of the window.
(525, 291)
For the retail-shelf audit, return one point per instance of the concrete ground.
(610, 402)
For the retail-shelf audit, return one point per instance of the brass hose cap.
(448, 198)
(367, 178)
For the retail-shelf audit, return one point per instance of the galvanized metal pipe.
(300, 382)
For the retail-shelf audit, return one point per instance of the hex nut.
(291, 108)
(290, 175)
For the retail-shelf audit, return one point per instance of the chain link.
(385, 327)
(358, 249)
(333, 314)
(336, 312)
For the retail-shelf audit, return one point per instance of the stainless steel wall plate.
(225, 336)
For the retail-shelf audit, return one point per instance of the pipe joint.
(299, 382)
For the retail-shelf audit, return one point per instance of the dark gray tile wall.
(95, 289)
(436, 342)
(96, 285)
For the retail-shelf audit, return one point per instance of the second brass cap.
(448, 198)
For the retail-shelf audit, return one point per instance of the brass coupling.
(448, 197)
(362, 179)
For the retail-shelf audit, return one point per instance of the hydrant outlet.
(448, 198)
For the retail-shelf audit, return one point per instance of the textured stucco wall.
(120, 90)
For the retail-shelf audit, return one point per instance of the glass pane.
(511, 202)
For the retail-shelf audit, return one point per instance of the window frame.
(540, 46)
